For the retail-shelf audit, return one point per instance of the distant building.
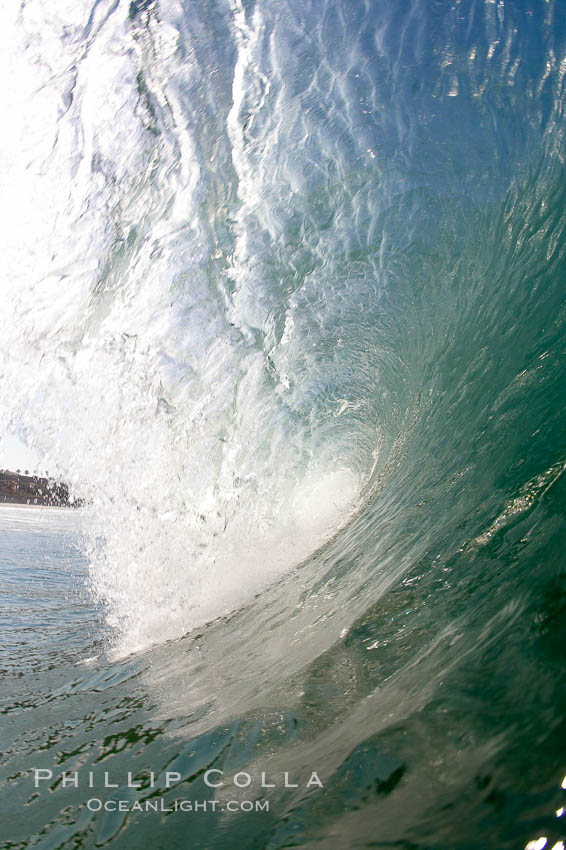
(30, 489)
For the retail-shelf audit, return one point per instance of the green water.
(284, 297)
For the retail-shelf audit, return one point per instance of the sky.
(14, 454)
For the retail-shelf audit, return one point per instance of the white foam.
(164, 396)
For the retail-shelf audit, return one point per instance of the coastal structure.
(19, 489)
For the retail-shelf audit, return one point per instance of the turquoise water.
(284, 288)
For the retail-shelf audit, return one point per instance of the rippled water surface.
(283, 299)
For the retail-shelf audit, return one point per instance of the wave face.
(284, 299)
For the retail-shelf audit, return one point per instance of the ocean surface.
(283, 298)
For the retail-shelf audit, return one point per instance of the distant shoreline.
(33, 490)
(4, 504)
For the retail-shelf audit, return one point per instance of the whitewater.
(283, 302)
